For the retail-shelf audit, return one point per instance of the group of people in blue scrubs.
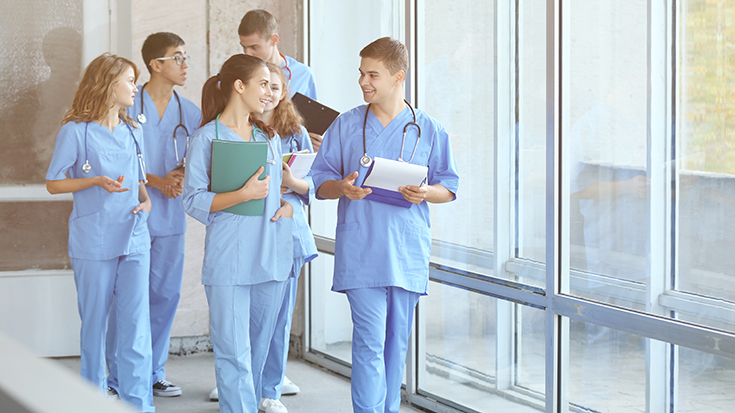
(141, 158)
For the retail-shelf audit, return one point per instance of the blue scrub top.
(303, 240)
(238, 249)
(377, 244)
(102, 225)
(302, 78)
(167, 214)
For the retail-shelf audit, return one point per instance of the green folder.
(233, 163)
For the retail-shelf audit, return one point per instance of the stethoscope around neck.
(365, 160)
(270, 145)
(87, 168)
(142, 119)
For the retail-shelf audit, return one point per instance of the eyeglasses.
(179, 59)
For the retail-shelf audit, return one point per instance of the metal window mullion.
(555, 385)
(658, 209)
(504, 71)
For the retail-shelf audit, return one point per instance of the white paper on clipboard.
(390, 175)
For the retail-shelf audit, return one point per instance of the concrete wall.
(44, 47)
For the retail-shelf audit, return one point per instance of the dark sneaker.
(164, 388)
(112, 394)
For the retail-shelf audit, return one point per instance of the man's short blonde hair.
(390, 51)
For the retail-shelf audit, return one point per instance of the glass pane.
(607, 369)
(331, 325)
(455, 85)
(332, 29)
(467, 345)
(706, 187)
(530, 136)
(42, 54)
(705, 382)
(606, 146)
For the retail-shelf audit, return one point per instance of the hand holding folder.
(233, 164)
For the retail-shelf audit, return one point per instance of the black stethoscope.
(87, 168)
(142, 119)
(285, 67)
(270, 145)
(365, 160)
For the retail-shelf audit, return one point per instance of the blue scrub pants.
(126, 279)
(382, 318)
(241, 323)
(166, 274)
(275, 364)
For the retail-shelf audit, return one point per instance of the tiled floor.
(321, 391)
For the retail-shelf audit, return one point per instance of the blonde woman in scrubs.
(98, 159)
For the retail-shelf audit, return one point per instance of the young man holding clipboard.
(382, 250)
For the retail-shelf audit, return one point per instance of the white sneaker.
(271, 406)
(214, 395)
(289, 387)
(163, 388)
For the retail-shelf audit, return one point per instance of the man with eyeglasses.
(167, 120)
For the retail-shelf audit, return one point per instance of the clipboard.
(233, 163)
(317, 117)
(385, 176)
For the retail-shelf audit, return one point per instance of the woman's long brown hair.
(217, 89)
(286, 118)
(96, 91)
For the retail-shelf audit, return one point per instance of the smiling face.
(125, 90)
(257, 92)
(168, 69)
(277, 92)
(376, 82)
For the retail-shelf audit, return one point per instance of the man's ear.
(155, 65)
(400, 76)
(274, 39)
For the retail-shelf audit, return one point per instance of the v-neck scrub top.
(377, 244)
(102, 225)
(167, 214)
(238, 249)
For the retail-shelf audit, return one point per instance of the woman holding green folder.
(247, 258)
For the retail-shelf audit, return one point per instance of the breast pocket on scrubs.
(85, 235)
(414, 248)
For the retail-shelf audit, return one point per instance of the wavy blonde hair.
(286, 118)
(96, 91)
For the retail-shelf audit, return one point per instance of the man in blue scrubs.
(258, 33)
(167, 119)
(382, 250)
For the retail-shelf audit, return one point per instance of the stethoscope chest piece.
(86, 167)
(365, 161)
(141, 118)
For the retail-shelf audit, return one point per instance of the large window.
(585, 265)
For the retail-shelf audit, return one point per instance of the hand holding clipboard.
(317, 117)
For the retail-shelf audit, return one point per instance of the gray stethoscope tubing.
(142, 119)
(86, 168)
(365, 160)
(270, 145)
